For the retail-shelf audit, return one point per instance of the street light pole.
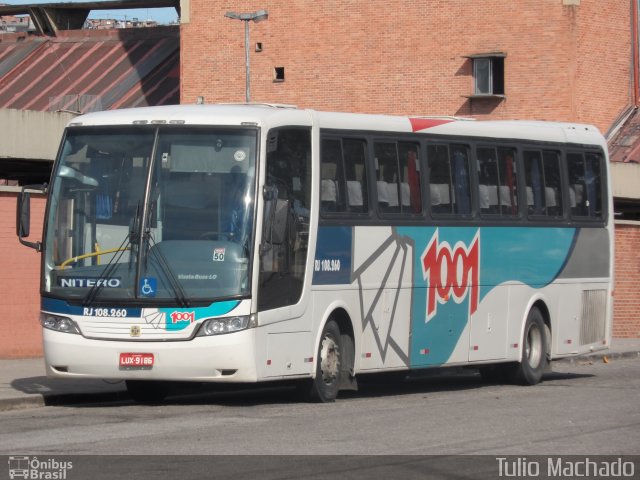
(257, 16)
(247, 69)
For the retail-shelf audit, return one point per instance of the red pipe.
(636, 94)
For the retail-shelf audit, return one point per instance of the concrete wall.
(626, 179)
(625, 306)
(31, 135)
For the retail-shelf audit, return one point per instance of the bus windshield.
(157, 214)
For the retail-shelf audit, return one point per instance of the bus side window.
(439, 178)
(285, 233)
(410, 191)
(386, 160)
(355, 174)
(489, 180)
(497, 181)
(552, 183)
(593, 179)
(585, 185)
(331, 193)
(449, 186)
(460, 176)
(343, 185)
(544, 183)
(508, 185)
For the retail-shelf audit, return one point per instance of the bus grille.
(594, 316)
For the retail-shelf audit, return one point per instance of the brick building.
(566, 60)
(401, 57)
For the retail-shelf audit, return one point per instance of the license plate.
(136, 361)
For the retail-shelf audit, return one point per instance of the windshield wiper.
(106, 273)
(132, 238)
(178, 291)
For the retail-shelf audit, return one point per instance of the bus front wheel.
(324, 387)
(534, 350)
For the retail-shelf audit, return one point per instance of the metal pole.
(246, 60)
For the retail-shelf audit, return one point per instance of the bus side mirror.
(23, 217)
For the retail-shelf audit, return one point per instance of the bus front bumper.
(220, 358)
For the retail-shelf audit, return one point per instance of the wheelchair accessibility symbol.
(148, 286)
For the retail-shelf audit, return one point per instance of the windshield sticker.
(148, 286)
(218, 255)
(88, 282)
(192, 276)
(240, 156)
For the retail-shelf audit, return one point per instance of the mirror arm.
(37, 246)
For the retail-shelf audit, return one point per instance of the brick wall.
(20, 273)
(394, 56)
(626, 321)
(19, 282)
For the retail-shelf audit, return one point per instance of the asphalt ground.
(24, 384)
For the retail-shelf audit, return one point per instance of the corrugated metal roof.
(625, 146)
(91, 70)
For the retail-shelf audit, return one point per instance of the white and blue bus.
(250, 243)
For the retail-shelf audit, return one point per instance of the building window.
(488, 74)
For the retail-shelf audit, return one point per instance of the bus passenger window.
(331, 195)
(508, 181)
(410, 177)
(552, 183)
(355, 174)
(386, 155)
(497, 181)
(449, 180)
(398, 177)
(585, 185)
(544, 183)
(343, 185)
(460, 170)
(439, 178)
(488, 181)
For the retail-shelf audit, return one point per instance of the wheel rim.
(533, 346)
(329, 360)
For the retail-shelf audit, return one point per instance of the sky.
(161, 15)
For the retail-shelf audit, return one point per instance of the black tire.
(147, 392)
(324, 388)
(534, 351)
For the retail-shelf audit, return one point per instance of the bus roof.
(273, 115)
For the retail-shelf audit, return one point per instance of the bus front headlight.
(220, 326)
(59, 324)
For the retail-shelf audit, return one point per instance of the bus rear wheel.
(324, 387)
(534, 351)
(147, 391)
